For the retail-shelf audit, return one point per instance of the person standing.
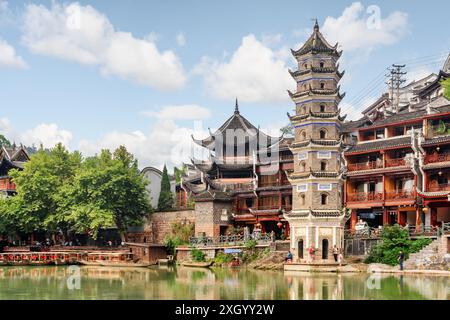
(335, 253)
(401, 258)
(312, 253)
(340, 258)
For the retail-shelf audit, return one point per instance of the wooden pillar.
(385, 217)
(353, 219)
(418, 221)
(279, 199)
(433, 216)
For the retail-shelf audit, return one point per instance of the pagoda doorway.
(300, 249)
(325, 249)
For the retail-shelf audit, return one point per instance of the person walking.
(335, 253)
(401, 258)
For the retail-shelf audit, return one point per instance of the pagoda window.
(322, 64)
(324, 198)
(303, 166)
(322, 108)
(305, 65)
(323, 166)
(303, 135)
(379, 134)
(302, 199)
(323, 134)
(322, 85)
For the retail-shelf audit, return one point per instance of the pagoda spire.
(236, 107)
(316, 26)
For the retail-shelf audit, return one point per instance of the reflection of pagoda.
(317, 216)
(243, 181)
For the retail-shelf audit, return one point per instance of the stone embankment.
(429, 258)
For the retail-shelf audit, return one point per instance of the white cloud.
(47, 134)
(182, 112)
(9, 57)
(356, 30)
(82, 34)
(181, 39)
(269, 39)
(254, 73)
(165, 143)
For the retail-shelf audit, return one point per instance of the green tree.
(108, 190)
(165, 201)
(446, 86)
(4, 142)
(394, 239)
(39, 187)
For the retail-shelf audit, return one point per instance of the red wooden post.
(353, 219)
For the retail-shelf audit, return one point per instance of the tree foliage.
(395, 239)
(446, 85)
(165, 200)
(59, 191)
(4, 142)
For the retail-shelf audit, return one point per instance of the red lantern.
(279, 224)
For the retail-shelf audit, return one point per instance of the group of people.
(337, 255)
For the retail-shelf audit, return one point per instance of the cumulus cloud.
(47, 134)
(9, 57)
(181, 39)
(165, 143)
(358, 29)
(253, 73)
(84, 35)
(182, 112)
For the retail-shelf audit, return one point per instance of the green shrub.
(394, 239)
(197, 255)
(250, 244)
(222, 258)
(179, 234)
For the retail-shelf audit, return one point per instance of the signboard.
(231, 251)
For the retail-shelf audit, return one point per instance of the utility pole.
(396, 79)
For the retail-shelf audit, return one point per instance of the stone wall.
(160, 223)
(210, 216)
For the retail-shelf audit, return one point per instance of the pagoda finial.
(236, 107)
(316, 25)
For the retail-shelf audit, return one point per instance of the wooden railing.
(400, 194)
(436, 157)
(365, 165)
(439, 187)
(364, 196)
(397, 162)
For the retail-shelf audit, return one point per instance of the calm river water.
(192, 283)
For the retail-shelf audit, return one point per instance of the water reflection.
(223, 284)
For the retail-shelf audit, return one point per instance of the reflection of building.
(317, 216)
(398, 163)
(10, 158)
(243, 183)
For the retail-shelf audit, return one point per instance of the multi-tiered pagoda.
(317, 218)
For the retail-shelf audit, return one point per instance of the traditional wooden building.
(10, 158)
(396, 162)
(317, 217)
(243, 182)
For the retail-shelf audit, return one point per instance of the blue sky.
(97, 74)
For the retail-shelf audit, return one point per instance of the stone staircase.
(427, 258)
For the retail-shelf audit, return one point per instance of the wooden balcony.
(439, 187)
(436, 157)
(365, 196)
(365, 165)
(400, 195)
(396, 162)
